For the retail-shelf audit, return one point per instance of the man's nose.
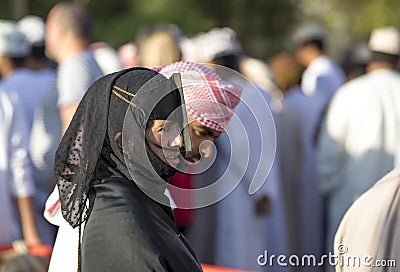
(206, 148)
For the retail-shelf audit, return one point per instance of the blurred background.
(262, 26)
(296, 77)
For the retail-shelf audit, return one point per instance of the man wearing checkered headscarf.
(230, 244)
(209, 100)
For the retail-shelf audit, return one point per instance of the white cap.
(385, 40)
(189, 50)
(13, 42)
(307, 33)
(258, 72)
(34, 29)
(128, 54)
(218, 42)
(106, 57)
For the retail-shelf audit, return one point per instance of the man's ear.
(118, 140)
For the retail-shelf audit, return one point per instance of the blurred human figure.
(68, 34)
(242, 221)
(320, 80)
(158, 46)
(322, 75)
(106, 57)
(356, 59)
(128, 54)
(307, 233)
(371, 227)
(34, 29)
(16, 77)
(289, 148)
(258, 72)
(46, 128)
(17, 220)
(359, 138)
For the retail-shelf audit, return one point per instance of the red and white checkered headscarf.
(209, 99)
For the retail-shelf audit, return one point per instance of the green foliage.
(262, 25)
(5, 10)
(132, 15)
(365, 15)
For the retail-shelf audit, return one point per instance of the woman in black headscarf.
(111, 167)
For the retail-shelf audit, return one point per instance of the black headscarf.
(90, 149)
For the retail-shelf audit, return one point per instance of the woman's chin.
(174, 162)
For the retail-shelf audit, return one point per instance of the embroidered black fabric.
(90, 149)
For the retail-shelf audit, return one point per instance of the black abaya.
(142, 233)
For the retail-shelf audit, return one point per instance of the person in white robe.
(307, 232)
(359, 139)
(245, 224)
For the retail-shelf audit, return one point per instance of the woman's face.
(165, 134)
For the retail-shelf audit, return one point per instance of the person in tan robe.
(368, 238)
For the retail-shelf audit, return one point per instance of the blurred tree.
(259, 23)
(350, 21)
(365, 15)
(262, 25)
(128, 16)
(5, 10)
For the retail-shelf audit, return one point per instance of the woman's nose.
(178, 141)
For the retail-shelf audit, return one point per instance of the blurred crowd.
(337, 133)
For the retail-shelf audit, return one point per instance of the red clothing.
(182, 216)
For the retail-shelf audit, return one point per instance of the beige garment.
(370, 230)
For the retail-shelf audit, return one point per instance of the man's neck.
(373, 66)
(36, 64)
(71, 50)
(313, 55)
(6, 67)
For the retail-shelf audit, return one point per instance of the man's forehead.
(197, 125)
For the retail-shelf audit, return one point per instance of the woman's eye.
(166, 127)
(201, 133)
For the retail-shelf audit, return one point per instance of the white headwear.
(106, 57)
(34, 29)
(218, 42)
(258, 72)
(209, 99)
(13, 42)
(385, 40)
